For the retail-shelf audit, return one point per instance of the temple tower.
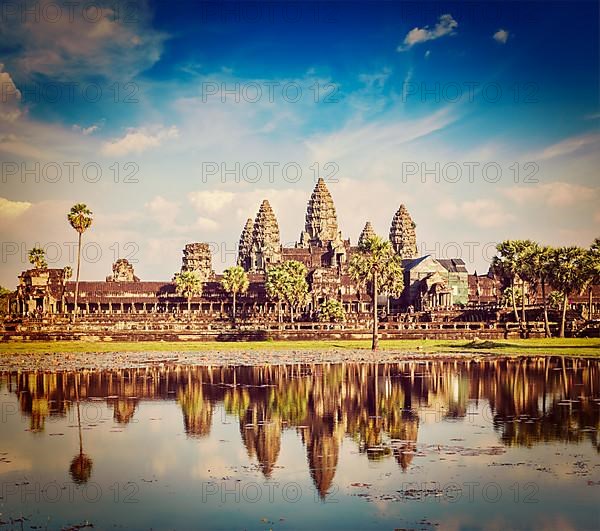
(245, 245)
(122, 272)
(403, 235)
(198, 257)
(321, 220)
(367, 232)
(266, 246)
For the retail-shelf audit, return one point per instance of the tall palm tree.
(276, 284)
(37, 258)
(80, 218)
(527, 249)
(378, 266)
(234, 281)
(542, 262)
(188, 284)
(508, 263)
(568, 275)
(296, 288)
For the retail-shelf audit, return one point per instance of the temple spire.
(367, 232)
(245, 245)
(403, 235)
(321, 219)
(266, 245)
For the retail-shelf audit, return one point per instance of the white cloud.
(567, 147)
(557, 194)
(86, 131)
(12, 209)
(139, 140)
(375, 137)
(10, 97)
(501, 36)
(445, 26)
(206, 224)
(484, 213)
(210, 201)
(99, 42)
(163, 211)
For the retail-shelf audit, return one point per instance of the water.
(504, 444)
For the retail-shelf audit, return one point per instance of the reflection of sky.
(168, 470)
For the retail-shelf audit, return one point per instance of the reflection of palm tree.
(81, 464)
(197, 410)
(261, 435)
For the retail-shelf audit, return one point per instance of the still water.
(495, 444)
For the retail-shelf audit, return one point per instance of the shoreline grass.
(540, 347)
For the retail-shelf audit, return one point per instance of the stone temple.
(430, 283)
(403, 235)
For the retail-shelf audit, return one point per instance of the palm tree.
(37, 258)
(188, 284)
(234, 281)
(296, 286)
(378, 266)
(542, 262)
(526, 270)
(276, 285)
(568, 275)
(508, 264)
(80, 218)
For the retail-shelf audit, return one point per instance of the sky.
(173, 120)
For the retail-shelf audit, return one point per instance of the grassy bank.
(571, 347)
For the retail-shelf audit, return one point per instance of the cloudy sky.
(173, 120)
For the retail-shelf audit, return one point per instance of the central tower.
(321, 220)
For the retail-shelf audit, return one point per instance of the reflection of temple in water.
(378, 406)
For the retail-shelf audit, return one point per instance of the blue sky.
(427, 85)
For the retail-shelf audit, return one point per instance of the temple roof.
(266, 230)
(367, 232)
(402, 234)
(321, 218)
(454, 265)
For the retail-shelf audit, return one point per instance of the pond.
(428, 444)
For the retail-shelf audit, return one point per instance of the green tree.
(331, 311)
(542, 264)
(555, 299)
(296, 286)
(80, 218)
(568, 270)
(286, 282)
(508, 264)
(37, 258)
(526, 271)
(534, 268)
(188, 284)
(511, 293)
(234, 281)
(276, 285)
(377, 266)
